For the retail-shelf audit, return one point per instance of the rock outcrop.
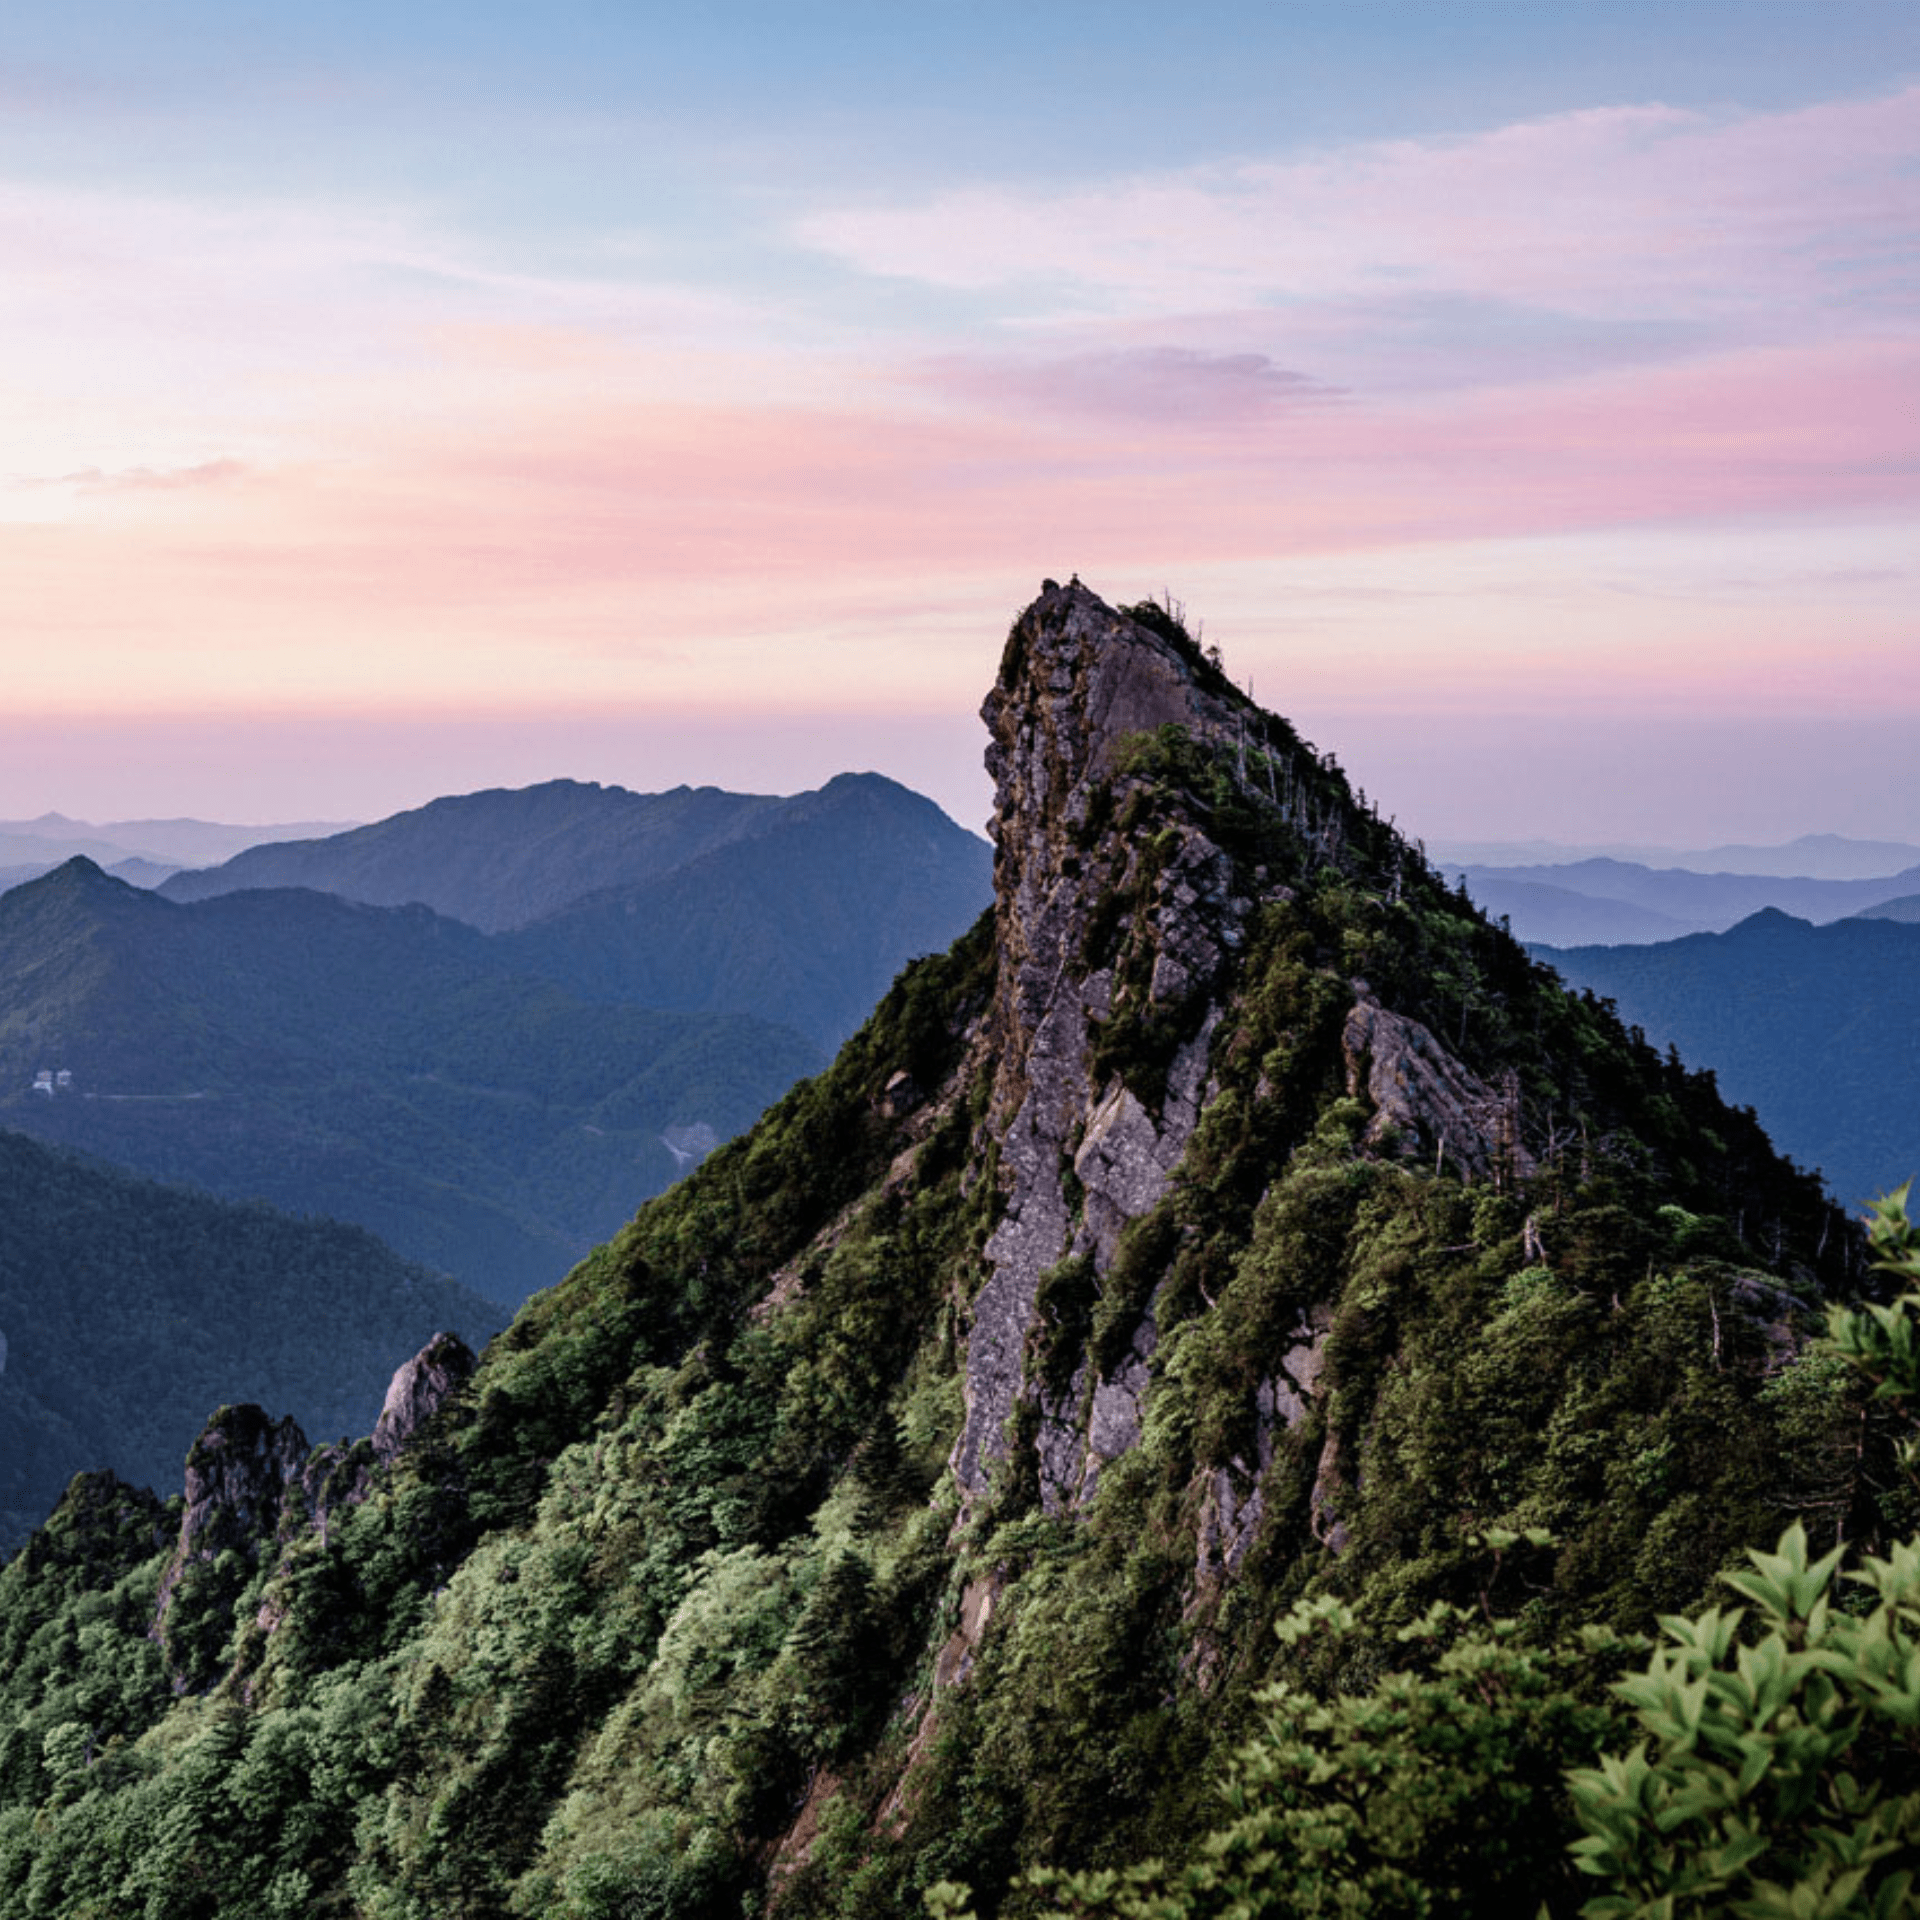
(238, 1475)
(1425, 1101)
(1080, 684)
(253, 1483)
(1121, 916)
(418, 1390)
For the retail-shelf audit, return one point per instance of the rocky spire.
(238, 1475)
(418, 1389)
(1080, 685)
(1121, 919)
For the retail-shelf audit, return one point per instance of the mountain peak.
(76, 878)
(1089, 674)
(1115, 954)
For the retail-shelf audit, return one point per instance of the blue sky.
(408, 397)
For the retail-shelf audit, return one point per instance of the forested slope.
(1233, 1218)
(129, 1310)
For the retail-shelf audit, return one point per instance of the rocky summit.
(1232, 1232)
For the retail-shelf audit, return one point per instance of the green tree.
(1779, 1773)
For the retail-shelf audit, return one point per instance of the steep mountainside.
(804, 919)
(1232, 1217)
(381, 1065)
(1817, 1028)
(129, 1309)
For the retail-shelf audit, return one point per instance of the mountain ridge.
(503, 858)
(382, 1064)
(1233, 1217)
(1617, 898)
(1814, 1025)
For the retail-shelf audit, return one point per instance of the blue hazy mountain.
(129, 1309)
(383, 1065)
(1816, 1028)
(1633, 903)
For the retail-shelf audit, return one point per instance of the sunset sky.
(400, 397)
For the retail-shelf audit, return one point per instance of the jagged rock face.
(1122, 929)
(238, 1473)
(1420, 1093)
(236, 1478)
(418, 1390)
(1076, 681)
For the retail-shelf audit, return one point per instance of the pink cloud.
(208, 473)
(1145, 383)
(618, 528)
(1616, 211)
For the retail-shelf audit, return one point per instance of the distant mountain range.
(1607, 902)
(142, 851)
(1907, 908)
(491, 1103)
(128, 1310)
(804, 917)
(384, 1065)
(1814, 856)
(502, 857)
(799, 910)
(1816, 1028)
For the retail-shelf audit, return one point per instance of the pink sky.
(1521, 432)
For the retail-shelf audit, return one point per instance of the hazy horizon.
(402, 402)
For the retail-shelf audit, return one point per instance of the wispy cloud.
(1168, 385)
(92, 480)
(422, 463)
(1615, 212)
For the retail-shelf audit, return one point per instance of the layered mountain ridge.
(1816, 1026)
(378, 1064)
(1233, 1216)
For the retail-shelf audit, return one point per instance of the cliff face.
(1119, 916)
(1077, 684)
(1232, 1216)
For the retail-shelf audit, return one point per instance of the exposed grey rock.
(900, 1095)
(336, 1479)
(418, 1389)
(1113, 1423)
(238, 1472)
(1426, 1101)
(1077, 678)
(1324, 1503)
(1303, 1363)
(1120, 1166)
(1057, 1442)
(1235, 1502)
(1785, 1321)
